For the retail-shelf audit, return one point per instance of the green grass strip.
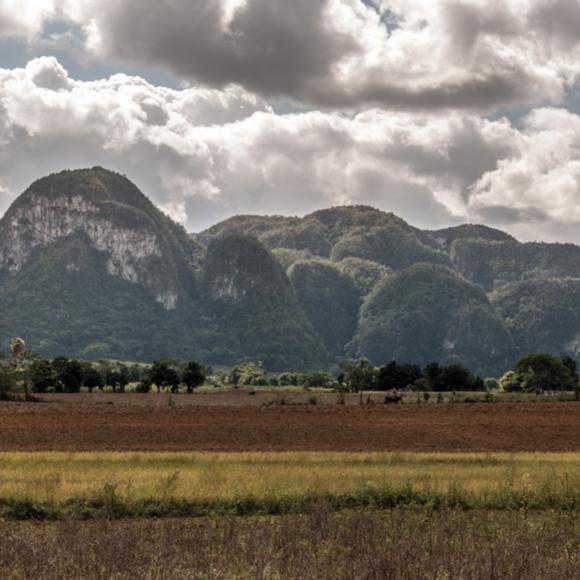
(108, 504)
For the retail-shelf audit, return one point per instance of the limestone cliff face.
(240, 269)
(255, 306)
(130, 241)
(227, 288)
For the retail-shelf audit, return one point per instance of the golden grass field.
(57, 477)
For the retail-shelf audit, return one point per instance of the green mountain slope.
(429, 313)
(338, 233)
(542, 315)
(256, 309)
(64, 301)
(447, 236)
(142, 245)
(493, 264)
(90, 267)
(330, 300)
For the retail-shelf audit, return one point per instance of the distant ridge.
(90, 267)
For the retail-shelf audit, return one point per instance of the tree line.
(532, 373)
(359, 375)
(24, 369)
(31, 373)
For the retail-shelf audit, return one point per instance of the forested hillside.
(90, 267)
(469, 293)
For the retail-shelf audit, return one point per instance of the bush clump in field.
(536, 373)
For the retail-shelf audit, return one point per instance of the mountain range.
(89, 267)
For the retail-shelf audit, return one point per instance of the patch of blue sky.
(64, 42)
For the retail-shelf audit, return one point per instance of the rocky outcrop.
(127, 237)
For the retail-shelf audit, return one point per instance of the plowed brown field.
(83, 425)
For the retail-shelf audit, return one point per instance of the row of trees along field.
(533, 373)
(22, 369)
(359, 375)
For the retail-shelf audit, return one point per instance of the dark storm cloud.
(271, 47)
(447, 54)
(485, 91)
(560, 19)
(503, 216)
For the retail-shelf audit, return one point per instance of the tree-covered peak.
(445, 237)
(97, 185)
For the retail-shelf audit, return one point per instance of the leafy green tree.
(510, 382)
(117, 377)
(491, 384)
(92, 378)
(144, 385)
(112, 378)
(71, 376)
(572, 365)
(247, 373)
(164, 375)
(123, 377)
(20, 359)
(173, 380)
(432, 374)
(193, 376)
(7, 379)
(287, 379)
(397, 376)
(158, 373)
(453, 377)
(135, 373)
(456, 377)
(59, 365)
(315, 379)
(360, 375)
(42, 375)
(544, 372)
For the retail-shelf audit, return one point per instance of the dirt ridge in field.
(60, 426)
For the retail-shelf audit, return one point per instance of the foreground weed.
(398, 543)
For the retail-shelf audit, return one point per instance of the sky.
(441, 111)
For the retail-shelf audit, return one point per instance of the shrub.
(491, 384)
(144, 386)
(510, 382)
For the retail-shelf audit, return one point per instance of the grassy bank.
(395, 544)
(93, 485)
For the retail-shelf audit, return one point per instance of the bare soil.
(241, 422)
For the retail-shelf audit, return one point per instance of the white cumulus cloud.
(206, 154)
(25, 18)
(416, 55)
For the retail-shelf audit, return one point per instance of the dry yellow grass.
(207, 476)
